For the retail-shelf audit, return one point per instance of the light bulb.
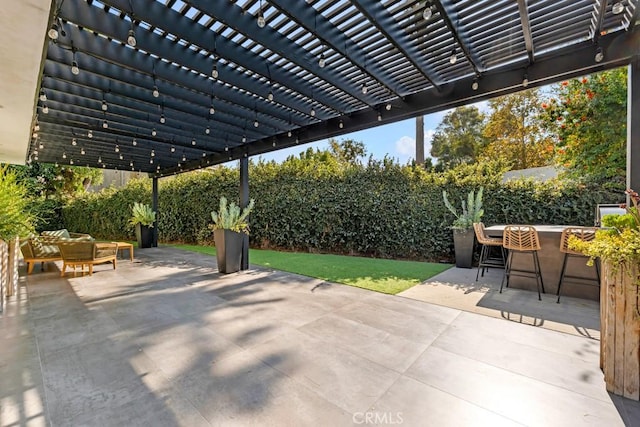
(364, 89)
(151, 161)
(64, 155)
(475, 84)
(379, 117)
(131, 164)
(156, 92)
(289, 134)
(193, 142)
(154, 132)
(121, 156)
(90, 134)
(105, 124)
(270, 96)
(226, 148)
(82, 151)
(322, 61)
(617, 8)
(214, 72)
(207, 130)
(388, 107)
(71, 161)
(75, 70)
(204, 154)
(45, 109)
(599, 55)
(256, 124)
(37, 127)
(153, 153)
(173, 149)
(104, 107)
(43, 96)
(41, 146)
(117, 149)
(74, 142)
(340, 124)
(261, 21)
(162, 119)
(131, 38)
(428, 13)
(184, 158)
(273, 144)
(525, 81)
(134, 142)
(53, 32)
(99, 159)
(244, 139)
(312, 112)
(453, 58)
(212, 110)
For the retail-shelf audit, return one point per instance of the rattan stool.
(524, 239)
(582, 233)
(487, 243)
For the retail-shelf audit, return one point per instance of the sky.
(395, 140)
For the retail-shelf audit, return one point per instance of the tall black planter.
(463, 241)
(144, 235)
(228, 250)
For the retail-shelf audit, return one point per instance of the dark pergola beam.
(599, 19)
(234, 17)
(380, 17)
(156, 14)
(320, 27)
(112, 26)
(526, 29)
(447, 18)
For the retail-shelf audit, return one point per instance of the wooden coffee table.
(122, 246)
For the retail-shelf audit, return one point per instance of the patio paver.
(169, 341)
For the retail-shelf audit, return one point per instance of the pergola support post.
(420, 140)
(244, 201)
(154, 201)
(633, 127)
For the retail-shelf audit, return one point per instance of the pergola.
(166, 86)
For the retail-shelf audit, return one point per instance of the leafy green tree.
(48, 180)
(458, 138)
(589, 119)
(15, 216)
(517, 131)
(348, 151)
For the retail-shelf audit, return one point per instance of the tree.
(348, 151)
(517, 131)
(49, 180)
(589, 119)
(458, 138)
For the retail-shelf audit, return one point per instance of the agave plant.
(471, 210)
(142, 214)
(230, 217)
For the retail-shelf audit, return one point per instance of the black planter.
(228, 250)
(144, 235)
(463, 241)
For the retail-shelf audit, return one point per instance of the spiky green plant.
(471, 210)
(230, 217)
(15, 217)
(142, 214)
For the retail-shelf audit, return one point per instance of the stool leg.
(507, 270)
(480, 261)
(597, 265)
(536, 265)
(564, 267)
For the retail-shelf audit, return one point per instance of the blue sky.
(397, 140)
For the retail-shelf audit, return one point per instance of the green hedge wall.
(381, 209)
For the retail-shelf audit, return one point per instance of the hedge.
(381, 209)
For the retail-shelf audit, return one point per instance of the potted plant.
(618, 247)
(143, 218)
(229, 228)
(463, 234)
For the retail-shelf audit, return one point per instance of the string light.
(45, 109)
(154, 132)
(261, 21)
(162, 119)
(74, 142)
(193, 141)
(134, 142)
(105, 124)
(117, 149)
(131, 37)
(364, 89)
(207, 130)
(156, 92)
(173, 149)
(153, 153)
(90, 134)
(454, 57)
(428, 12)
(43, 95)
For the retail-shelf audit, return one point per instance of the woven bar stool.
(524, 239)
(585, 234)
(487, 243)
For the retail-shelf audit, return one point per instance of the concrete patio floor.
(166, 341)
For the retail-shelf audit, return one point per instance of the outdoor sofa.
(44, 248)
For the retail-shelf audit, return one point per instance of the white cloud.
(406, 146)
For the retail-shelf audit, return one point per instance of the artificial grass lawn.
(381, 275)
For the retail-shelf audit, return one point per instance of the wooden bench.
(86, 253)
(123, 246)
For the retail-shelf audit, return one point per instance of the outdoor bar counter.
(551, 265)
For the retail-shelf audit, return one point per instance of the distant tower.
(420, 140)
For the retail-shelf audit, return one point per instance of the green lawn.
(382, 275)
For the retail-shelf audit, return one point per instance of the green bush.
(380, 209)
(16, 219)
